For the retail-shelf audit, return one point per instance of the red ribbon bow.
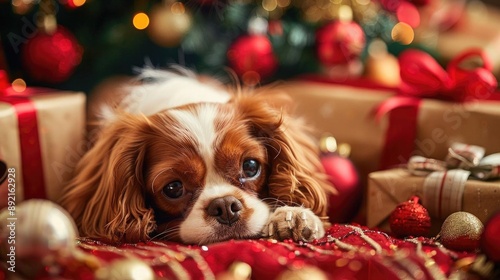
(423, 77)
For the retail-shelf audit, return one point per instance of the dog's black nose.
(225, 209)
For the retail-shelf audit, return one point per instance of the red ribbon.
(422, 77)
(31, 155)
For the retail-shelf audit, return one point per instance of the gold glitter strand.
(366, 238)
(401, 258)
(201, 263)
(430, 264)
(342, 245)
(173, 262)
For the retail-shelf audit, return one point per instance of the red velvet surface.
(346, 252)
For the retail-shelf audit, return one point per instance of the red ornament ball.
(461, 231)
(490, 240)
(339, 42)
(393, 5)
(4, 80)
(252, 58)
(410, 219)
(52, 58)
(342, 173)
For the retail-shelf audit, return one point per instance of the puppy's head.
(197, 173)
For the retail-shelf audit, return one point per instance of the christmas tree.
(75, 44)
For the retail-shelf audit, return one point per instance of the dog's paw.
(298, 223)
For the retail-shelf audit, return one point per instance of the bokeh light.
(140, 21)
(19, 85)
(402, 33)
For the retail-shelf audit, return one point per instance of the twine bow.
(445, 182)
(460, 156)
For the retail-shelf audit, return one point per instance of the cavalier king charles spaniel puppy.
(187, 159)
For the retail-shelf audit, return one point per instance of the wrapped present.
(42, 134)
(432, 109)
(464, 181)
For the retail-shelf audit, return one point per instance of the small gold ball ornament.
(304, 273)
(169, 23)
(461, 231)
(237, 271)
(381, 66)
(130, 269)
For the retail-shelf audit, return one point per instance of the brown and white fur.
(194, 161)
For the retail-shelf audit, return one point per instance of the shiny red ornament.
(252, 56)
(393, 5)
(410, 219)
(339, 42)
(490, 239)
(420, 2)
(4, 80)
(342, 173)
(52, 58)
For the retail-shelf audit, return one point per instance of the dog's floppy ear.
(106, 196)
(296, 174)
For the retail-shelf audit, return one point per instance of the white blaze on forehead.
(169, 90)
(200, 125)
(152, 98)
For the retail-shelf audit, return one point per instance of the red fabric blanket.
(346, 252)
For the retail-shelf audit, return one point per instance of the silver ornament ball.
(36, 229)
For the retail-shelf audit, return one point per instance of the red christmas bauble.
(490, 240)
(342, 173)
(410, 219)
(52, 58)
(393, 5)
(252, 56)
(4, 80)
(339, 42)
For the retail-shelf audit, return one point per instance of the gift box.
(347, 113)
(42, 134)
(388, 188)
(409, 125)
(465, 180)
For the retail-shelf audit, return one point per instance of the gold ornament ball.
(39, 231)
(169, 23)
(130, 269)
(305, 273)
(461, 231)
(382, 66)
(237, 271)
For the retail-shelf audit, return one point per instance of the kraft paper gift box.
(346, 112)
(42, 138)
(388, 188)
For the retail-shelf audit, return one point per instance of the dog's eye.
(173, 189)
(251, 168)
